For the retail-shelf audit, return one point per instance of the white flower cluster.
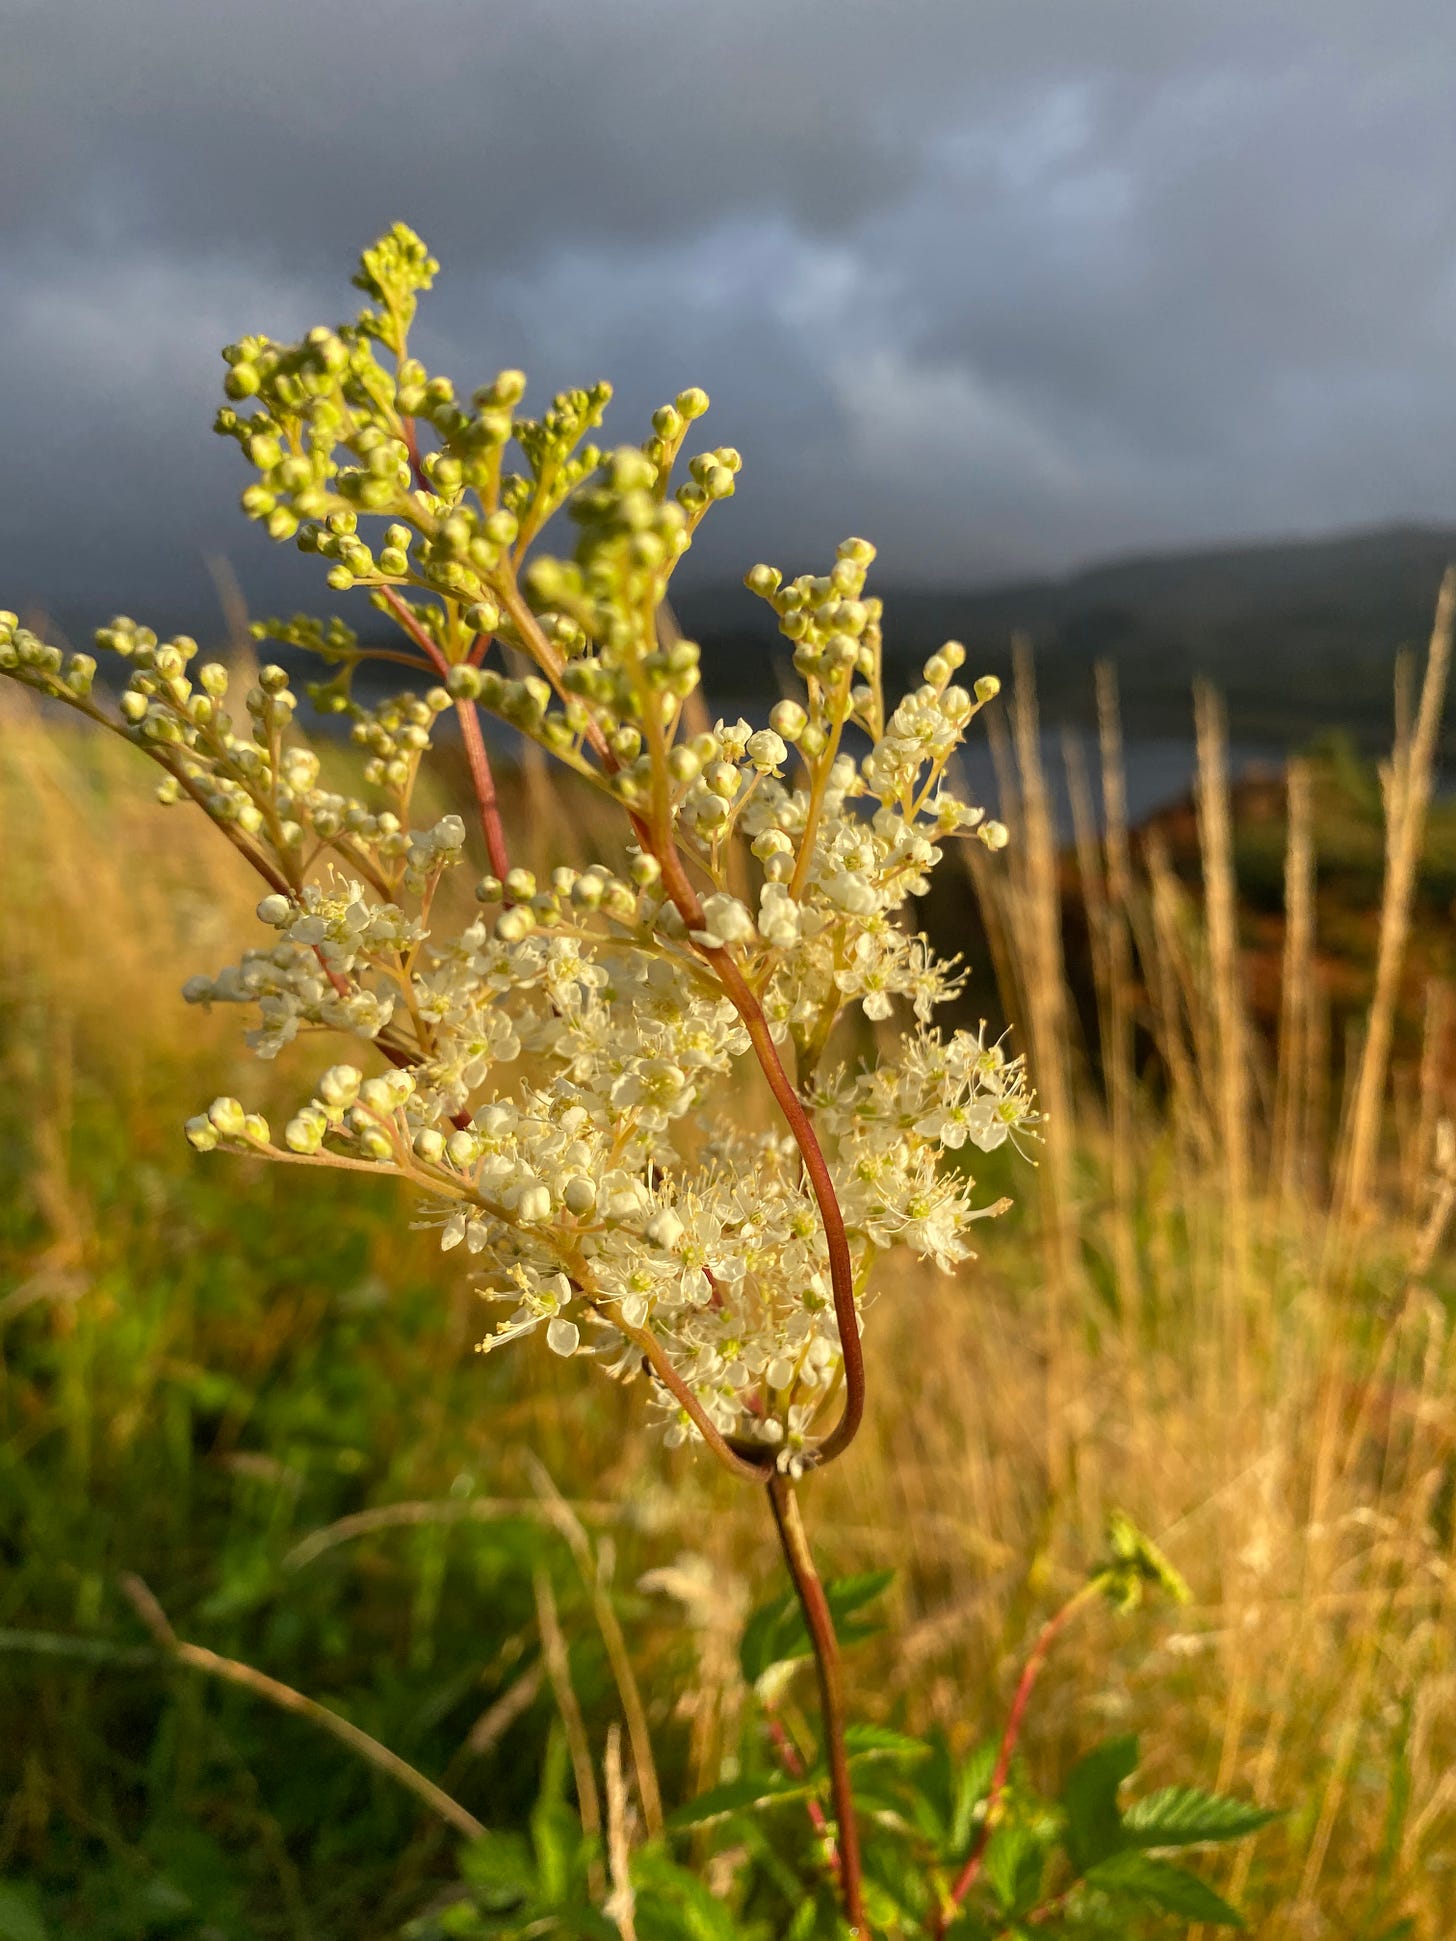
(595, 1192)
(331, 966)
(561, 1069)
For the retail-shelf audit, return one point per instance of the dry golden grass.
(1183, 1319)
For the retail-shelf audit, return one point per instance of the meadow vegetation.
(306, 1608)
(278, 1424)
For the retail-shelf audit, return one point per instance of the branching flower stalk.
(547, 1059)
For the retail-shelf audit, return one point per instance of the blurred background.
(1126, 332)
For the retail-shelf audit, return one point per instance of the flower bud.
(533, 1204)
(772, 842)
(692, 403)
(514, 925)
(580, 1196)
(860, 551)
(987, 688)
(275, 910)
(227, 1117)
(339, 1086)
(664, 1229)
(788, 719)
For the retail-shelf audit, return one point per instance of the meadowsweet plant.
(552, 1067)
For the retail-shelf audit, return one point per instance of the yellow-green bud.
(788, 719)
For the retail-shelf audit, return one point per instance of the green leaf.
(741, 1795)
(692, 1912)
(1182, 1816)
(20, 1914)
(1137, 1564)
(1094, 1825)
(1141, 1878)
(776, 1633)
(556, 1836)
(973, 1783)
(867, 1741)
(1015, 1858)
(502, 1866)
(760, 1643)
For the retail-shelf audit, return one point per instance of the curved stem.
(841, 1268)
(659, 843)
(809, 1587)
(751, 1469)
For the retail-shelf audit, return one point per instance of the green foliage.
(776, 1634)
(1077, 1865)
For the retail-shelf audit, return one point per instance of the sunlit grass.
(204, 1363)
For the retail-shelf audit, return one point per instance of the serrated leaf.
(776, 1633)
(695, 1913)
(1143, 1878)
(1013, 1866)
(1182, 1816)
(1094, 1825)
(973, 1783)
(863, 1741)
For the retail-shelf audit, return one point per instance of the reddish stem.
(481, 779)
(412, 446)
(841, 1269)
(1030, 1672)
(483, 783)
(793, 1765)
(813, 1602)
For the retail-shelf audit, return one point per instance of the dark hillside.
(1299, 635)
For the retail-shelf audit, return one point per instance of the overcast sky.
(1002, 284)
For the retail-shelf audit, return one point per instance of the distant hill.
(1299, 635)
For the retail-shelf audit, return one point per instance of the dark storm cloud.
(1002, 284)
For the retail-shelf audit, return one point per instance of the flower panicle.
(555, 1051)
